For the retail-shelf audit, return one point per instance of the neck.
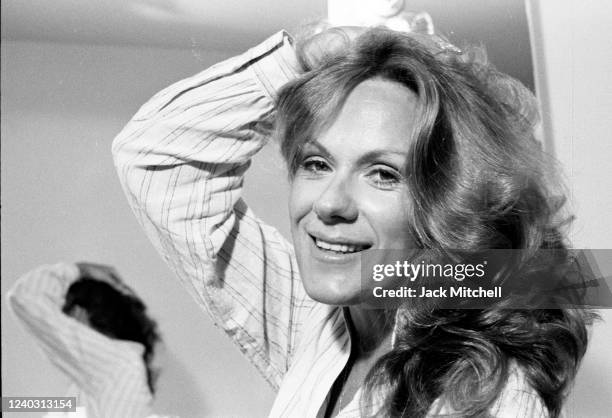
(370, 331)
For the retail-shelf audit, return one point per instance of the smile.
(338, 247)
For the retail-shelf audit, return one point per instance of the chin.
(332, 290)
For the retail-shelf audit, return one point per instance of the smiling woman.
(392, 141)
(349, 194)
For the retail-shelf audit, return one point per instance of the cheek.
(389, 217)
(301, 198)
(295, 203)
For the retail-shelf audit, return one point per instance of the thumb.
(318, 49)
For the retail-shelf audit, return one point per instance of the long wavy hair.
(478, 180)
(117, 315)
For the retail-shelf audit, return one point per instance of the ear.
(80, 314)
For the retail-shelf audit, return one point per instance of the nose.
(336, 203)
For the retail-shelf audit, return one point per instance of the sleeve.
(519, 404)
(518, 399)
(80, 352)
(181, 161)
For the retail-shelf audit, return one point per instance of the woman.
(392, 141)
(96, 330)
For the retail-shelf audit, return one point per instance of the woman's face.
(350, 193)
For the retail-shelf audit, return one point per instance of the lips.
(339, 245)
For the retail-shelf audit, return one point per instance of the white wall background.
(61, 107)
(62, 104)
(573, 59)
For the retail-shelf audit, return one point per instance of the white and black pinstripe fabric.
(109, 373)
(181, 161)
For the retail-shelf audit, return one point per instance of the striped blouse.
(110, 374)
(181, 161)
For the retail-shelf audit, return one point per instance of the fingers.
(106, 274)
(99, 272)
(319, 48)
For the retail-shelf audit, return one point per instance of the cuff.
(275, 62)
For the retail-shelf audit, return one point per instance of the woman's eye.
(314, 165)
(385, 177)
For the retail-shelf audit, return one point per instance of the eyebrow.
(370, 155)
(320, 148)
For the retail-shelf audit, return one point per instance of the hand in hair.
(320, 47)
(103, 273)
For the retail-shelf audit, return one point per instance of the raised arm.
(95, 362)
(181, 162)
(37, 299)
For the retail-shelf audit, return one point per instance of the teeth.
(340, 248)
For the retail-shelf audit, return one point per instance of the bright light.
(389, 13)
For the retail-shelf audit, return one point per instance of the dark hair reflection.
(116, 315)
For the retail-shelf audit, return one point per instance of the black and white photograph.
(310, 208)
